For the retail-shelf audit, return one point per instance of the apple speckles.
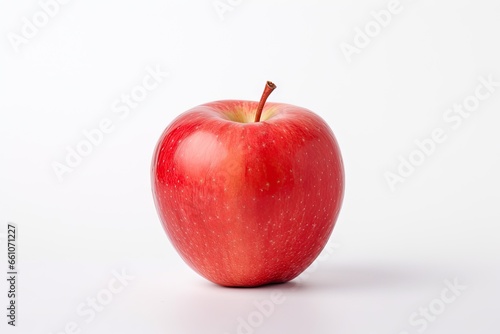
(283, 215)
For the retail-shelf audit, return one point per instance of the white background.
(394, 249)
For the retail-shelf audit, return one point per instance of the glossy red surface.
(247, 204)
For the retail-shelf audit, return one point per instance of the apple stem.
(267, 91)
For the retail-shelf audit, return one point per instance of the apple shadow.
(210, 308)
(378, 276)
(346, 290)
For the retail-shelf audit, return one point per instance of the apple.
(248, 193)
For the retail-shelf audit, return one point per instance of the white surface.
(395, 248)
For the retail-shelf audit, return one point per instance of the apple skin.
(248, 203)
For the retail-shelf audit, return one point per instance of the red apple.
(248, 192)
